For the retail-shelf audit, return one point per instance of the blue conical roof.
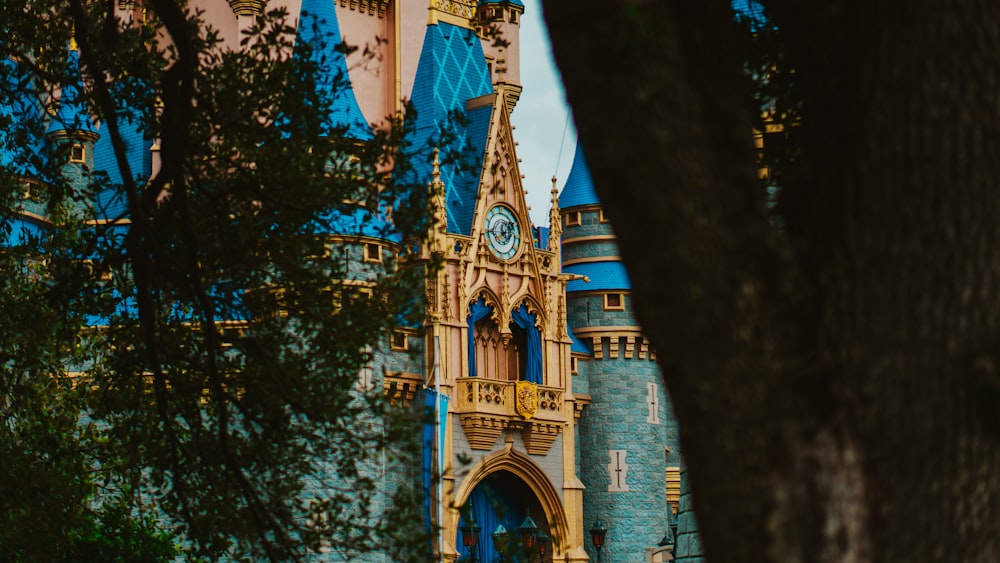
(579, 188)
(72, 113)
(318, 29)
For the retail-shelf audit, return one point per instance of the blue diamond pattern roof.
(750, 11)
(452, 70)
(603, 276)
(319, 29)
(579, 187)
(72, 114)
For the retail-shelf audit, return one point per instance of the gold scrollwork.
(461, 8)
(527, 399)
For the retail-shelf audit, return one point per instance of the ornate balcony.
(486, 407)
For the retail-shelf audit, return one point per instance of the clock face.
(502, 233)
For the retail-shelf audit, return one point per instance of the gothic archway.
(511, 481)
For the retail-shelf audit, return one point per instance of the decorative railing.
(460, 8)
(486, 407)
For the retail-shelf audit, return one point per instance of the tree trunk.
(836, 382)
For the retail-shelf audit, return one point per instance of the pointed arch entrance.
(502, 489)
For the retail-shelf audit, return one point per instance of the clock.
(503, 235)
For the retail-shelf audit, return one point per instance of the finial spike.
(436, 174)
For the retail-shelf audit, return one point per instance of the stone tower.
(629, 454)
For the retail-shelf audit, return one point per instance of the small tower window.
(573, 365)
(614, 302)
(398, 341)
(601, 217)
(373, 252)
(573, 219)
(33, 191)
(77, 153)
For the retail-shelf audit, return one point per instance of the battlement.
(625, 345)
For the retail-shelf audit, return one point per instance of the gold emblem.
(527, 399)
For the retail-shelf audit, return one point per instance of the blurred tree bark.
(836, 380)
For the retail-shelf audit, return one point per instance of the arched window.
(520, 358)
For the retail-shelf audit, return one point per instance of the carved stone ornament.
(527, 399)
(247, 7)
(460, 8)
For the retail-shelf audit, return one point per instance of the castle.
(552, 408)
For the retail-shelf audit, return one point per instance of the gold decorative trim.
(674, 487)
(247, 7)
(586, 239)
(400, 387)
(370, 7)
(526, 394)
(486, 407)
(482, 431)
(589, 260)
(539, 483)
(608, 330)
(455, 12)
(539, 437)
(580, 400)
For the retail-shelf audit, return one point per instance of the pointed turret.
(500, 22)
(555, 220)
(579, 188)
(318, 37)
(71, 130)
(582, 218)
(72, 118)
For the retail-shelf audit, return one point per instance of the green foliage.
(191, 366)
(776, 103)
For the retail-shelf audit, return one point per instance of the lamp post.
(544, 542)
(500, 537)
(470, 537)
(597, 534)
(529, 532)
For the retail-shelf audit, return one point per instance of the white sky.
(540, 116)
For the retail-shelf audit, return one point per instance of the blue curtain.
(490, 508)
(477, 310)
(533, 344)
(427, 446)
(435, 414)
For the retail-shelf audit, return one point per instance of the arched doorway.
(502, 499)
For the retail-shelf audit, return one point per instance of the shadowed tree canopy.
(836, 380)
(181, 343)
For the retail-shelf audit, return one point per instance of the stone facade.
(553, 395)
